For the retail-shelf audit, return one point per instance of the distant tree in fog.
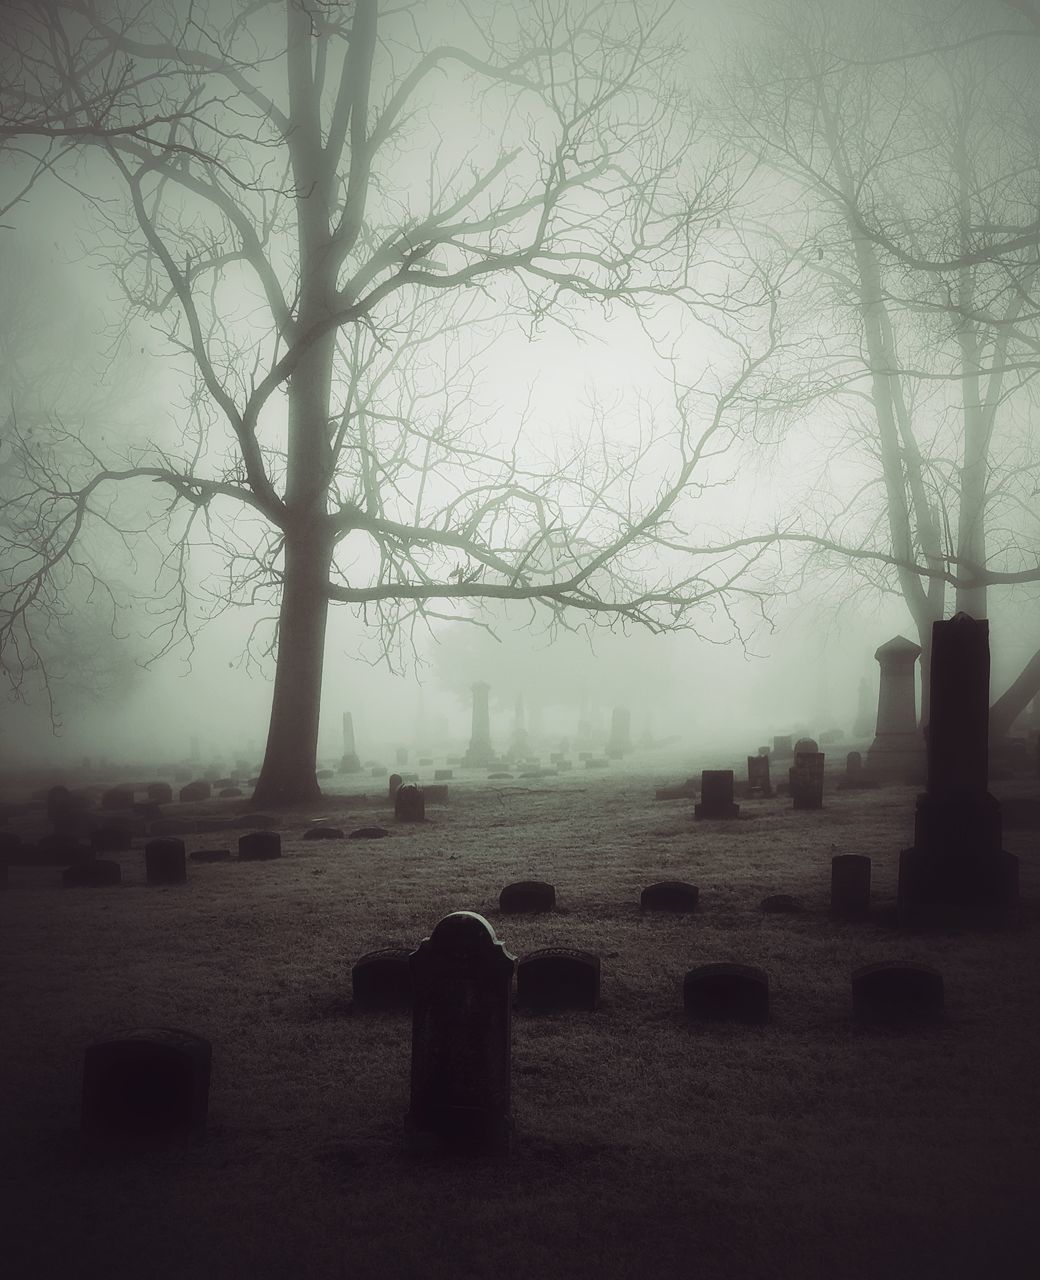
(326, 300)
(910, 185)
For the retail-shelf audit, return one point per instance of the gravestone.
(146, 1086)
(443, 775)
(620, 742)
(527, 896)
(558, 978)
(160, 792)
(758, 776)
(669, 895)
(350, 762)
(782, 746)
(200, 789)
(97, 873)
(956, 866)
(257, 846)
(164, 862)
(323, 833)
(716, 795)
(395, 782)
(805, 780)
(383, 979)
(462, 979)
(856, 778)
(480, 753)
(726, 992)
(898, 748)
(806, 746)
(409, 803)
(117, 798)
(896, 993)
(850, 884)
(210, 855)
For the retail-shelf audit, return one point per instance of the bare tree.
(942, 360)
(327, 209)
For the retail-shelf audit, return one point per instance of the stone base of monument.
(350, 764)
(938, 888)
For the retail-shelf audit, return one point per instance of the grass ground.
(644, 1146)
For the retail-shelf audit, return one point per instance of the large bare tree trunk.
(288, 775)
(1014, 700)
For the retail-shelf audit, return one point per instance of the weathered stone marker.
(898, 748)
(164, 862)
(200, 789)
(956, 866)
(259, 845)
(805, 780)
(558, 978)
(856, 779)
(806, 746)
(669, 895)
(146, 1086)
(726, 992)
(383, 979)
(480, 753)
(758, 776)
(409, 803)
(160, 792)
(394, 783)
(350, 762)
(620, 742)
(716, 795)
(527, 896)
(896, 993)
(850, 884)
(462, 979)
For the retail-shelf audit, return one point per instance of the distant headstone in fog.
(620, 742)
(146, 1086)
(527, 896)
(899, 993)
(726, 993)
(480, 753)
(856, 777)
(164, 861)
(200, 789)
(758, 776)
(957, 866)
(394, 782)
(409, 803)
(898, 747)
(462, 979)
(669, 895)
(349, 762)
(850, 884)
(806, 746)
(716, 795)
(160, 792)
(805, 780)
(558, 978)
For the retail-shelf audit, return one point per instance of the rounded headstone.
(669, 895)
(409, 803)
(558, 978)
(527, 896)
(726, 992)
(164, 861)
(806, 746)
(394, 783)
(383, 979)
(895, 994)
(147, 1086)
(200, 789)
(258, 845)
(160, 792)
(850, 884)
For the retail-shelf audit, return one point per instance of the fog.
(126, 650)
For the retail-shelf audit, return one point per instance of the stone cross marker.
(898, 748)
(956, 866)
(462, 979)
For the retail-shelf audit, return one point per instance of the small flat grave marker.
(383, 979)
(896, 994)
(726, 992)
(257, 845)
(146, 1086)
(558, 978)
(669, 895)
(527, 896)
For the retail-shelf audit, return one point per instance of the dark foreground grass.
(644, 1146)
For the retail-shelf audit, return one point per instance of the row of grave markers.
(152, 1084)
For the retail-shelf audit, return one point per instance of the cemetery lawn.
(644, 1147)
